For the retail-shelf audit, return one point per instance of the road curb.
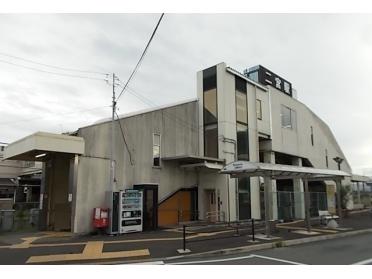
(275, 244)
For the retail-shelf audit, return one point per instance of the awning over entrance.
(197, 162)
(276, 171)
(36, 146)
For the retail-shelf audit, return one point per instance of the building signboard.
(266, 77)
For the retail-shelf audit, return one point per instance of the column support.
(338, 196)
(307, 204)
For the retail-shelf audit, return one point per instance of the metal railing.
(235, 226)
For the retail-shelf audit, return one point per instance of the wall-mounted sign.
(266, 77)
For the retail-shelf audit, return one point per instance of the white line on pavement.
(367, 261)
(214, 261)
(275, 259)
(150, 263)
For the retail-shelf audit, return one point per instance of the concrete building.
(174, 154)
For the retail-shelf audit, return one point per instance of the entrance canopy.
(37, 146)
(192, 162)
(276, 171)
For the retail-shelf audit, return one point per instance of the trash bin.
(6, 220)
(34, 216)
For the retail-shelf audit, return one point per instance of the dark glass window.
(312, 135)
(156, 150)
(326, 153)
(244, 188)
(240, 84)
(210, 106)
(211, 141)
(242, 141)
(209, 78)
(241, 107)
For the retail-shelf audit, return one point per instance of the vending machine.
(130, 211)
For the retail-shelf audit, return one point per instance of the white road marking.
(213, 261)
(275, 259)
(367, 261)
(151, 263)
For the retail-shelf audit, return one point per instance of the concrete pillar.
(358, 190)
(298, 189)
(307, 204)
(255, 198)
(268, 204)
(338, 196)
(269, 157)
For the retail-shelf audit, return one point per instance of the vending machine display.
(130, 211)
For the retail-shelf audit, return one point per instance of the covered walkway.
(240, 169)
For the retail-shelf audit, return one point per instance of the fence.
(290, 204)
(19, 220)
(235, 227)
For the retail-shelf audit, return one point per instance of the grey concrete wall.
(93, 179)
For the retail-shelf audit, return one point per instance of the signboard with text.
(266, 77)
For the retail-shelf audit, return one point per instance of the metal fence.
(19, 220)
(290, 204)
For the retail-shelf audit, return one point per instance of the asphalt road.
(341, 251)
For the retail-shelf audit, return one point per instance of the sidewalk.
(65, 248)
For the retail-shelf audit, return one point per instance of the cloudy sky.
(328, 59)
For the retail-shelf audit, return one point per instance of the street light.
(338, 160)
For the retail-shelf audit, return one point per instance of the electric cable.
(52, 66)
(141, 58)
(49, 72)
(125, 141)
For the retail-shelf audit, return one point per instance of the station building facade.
(175, 153)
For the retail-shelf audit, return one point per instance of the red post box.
(100, 217)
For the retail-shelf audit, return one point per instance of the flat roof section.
(192, 159)
(277, 171)
(34, 147)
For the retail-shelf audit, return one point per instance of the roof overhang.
(277, 171)
(360, 178)
(203, 165)
(192, 159)
(33, 147)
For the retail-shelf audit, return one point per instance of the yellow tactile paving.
(26, 242)
(92, 251)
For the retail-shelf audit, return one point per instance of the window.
(242, 141)
(244, 188)
(312, 135)
(326, 157)
(210, 141)
(210, 113)
(259, 109)
(156, 150)
(241, 107)
(210, 106)
(288, 117)
(241, 119)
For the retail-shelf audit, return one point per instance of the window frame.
(292, 117)
(259, 113)
(158, 145)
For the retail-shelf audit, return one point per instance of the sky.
(327, 58)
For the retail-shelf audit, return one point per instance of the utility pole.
(112, 165)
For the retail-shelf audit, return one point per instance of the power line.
(40, 117)
(125, 142)
(141, 58)
(48, 72)
(52, 66)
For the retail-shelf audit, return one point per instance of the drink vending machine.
(130, 211)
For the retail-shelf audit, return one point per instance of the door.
(150, 205)
(210, 205)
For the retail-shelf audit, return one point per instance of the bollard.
(253, 230)
(184, 238)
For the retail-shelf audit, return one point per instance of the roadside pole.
(112, 161)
